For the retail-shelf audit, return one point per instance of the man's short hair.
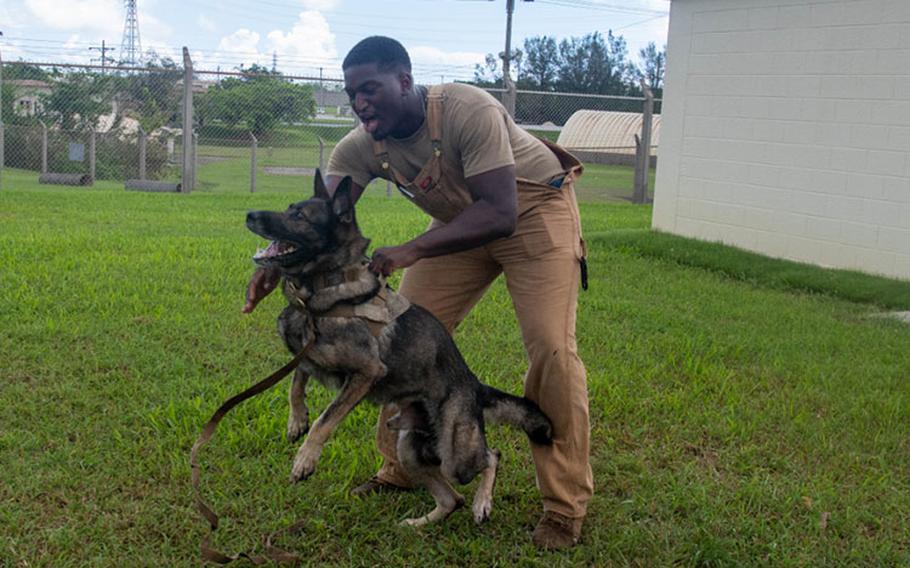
(385, 52)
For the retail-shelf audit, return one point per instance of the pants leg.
(541, 267)
(448, 287)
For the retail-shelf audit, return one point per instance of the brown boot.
(375, 485)
(556, 531)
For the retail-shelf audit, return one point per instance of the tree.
(153, 96)
(21, 70)
(653, 66)
(7, 94)
(592, 64)
(541, 68)
(77, 100)
(623, 67)
(489, 74)
(260, 101)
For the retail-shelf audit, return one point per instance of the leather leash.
(272, 554)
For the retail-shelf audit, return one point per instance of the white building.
(27, 93)
(786, 129)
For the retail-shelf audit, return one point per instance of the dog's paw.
(297, 427)
(304, 463)
(482, 509)
(415, 522)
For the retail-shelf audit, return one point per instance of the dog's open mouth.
(276, 249)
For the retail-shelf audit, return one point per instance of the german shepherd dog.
(405, 358)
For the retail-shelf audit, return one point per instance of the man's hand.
(387, 260)
(263, 281)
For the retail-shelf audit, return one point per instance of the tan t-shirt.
(478, 135)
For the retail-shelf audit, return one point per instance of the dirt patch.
(288, 171)
(204, 160)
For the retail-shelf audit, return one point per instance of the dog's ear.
(342, 202)
(319, 189)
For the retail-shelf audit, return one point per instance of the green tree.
(77, 100)
(592, 64)
(653, 67)
(260, 101)
(488, 74)
(21, 70)
(541, 65)
(153, 97)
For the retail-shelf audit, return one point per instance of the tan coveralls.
(541, 266)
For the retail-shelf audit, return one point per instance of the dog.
(367, 342)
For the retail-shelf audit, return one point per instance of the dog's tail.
(500, 407)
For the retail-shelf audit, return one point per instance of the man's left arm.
(492, 215)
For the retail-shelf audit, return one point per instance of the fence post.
(91, 153)
(643, 157)
(195, 156)
(43, 147)
(253, 164)
(321, 154)
(1, 154)
(189, 162)
(2, 162)
(509, 97)
(142, 143)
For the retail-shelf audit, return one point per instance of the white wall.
(786, 129)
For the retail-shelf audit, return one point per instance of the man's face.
(377, 97)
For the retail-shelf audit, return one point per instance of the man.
(502, 202)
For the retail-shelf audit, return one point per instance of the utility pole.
(321, 90)
(509, 96)
(2, 143)
(104, 58)
(507, 54)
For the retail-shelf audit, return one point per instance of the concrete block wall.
(786, 129)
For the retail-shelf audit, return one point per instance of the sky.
(445, 38)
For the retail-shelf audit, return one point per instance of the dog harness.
(377, 311)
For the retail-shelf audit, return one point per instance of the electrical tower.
(130, 47)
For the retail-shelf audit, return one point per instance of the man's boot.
(555, 531)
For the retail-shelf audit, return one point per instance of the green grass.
(761, 270)
(737, 419)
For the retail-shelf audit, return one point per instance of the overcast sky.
(444, 37)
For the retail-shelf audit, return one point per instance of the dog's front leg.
(353, 391)
(299, 414)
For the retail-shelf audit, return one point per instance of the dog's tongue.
(275, 248)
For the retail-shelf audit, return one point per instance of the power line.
(104, 58)
(601, 6)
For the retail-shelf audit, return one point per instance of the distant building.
(27, 92)
(606, 137)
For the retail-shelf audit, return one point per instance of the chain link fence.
(251, 130)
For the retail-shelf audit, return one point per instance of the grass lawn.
(738, 417)
(229, 171)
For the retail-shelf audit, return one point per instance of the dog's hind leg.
(447, 500)
(299, 414)
(416, 456)
(483, 498)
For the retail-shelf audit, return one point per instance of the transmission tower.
(130, 47)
